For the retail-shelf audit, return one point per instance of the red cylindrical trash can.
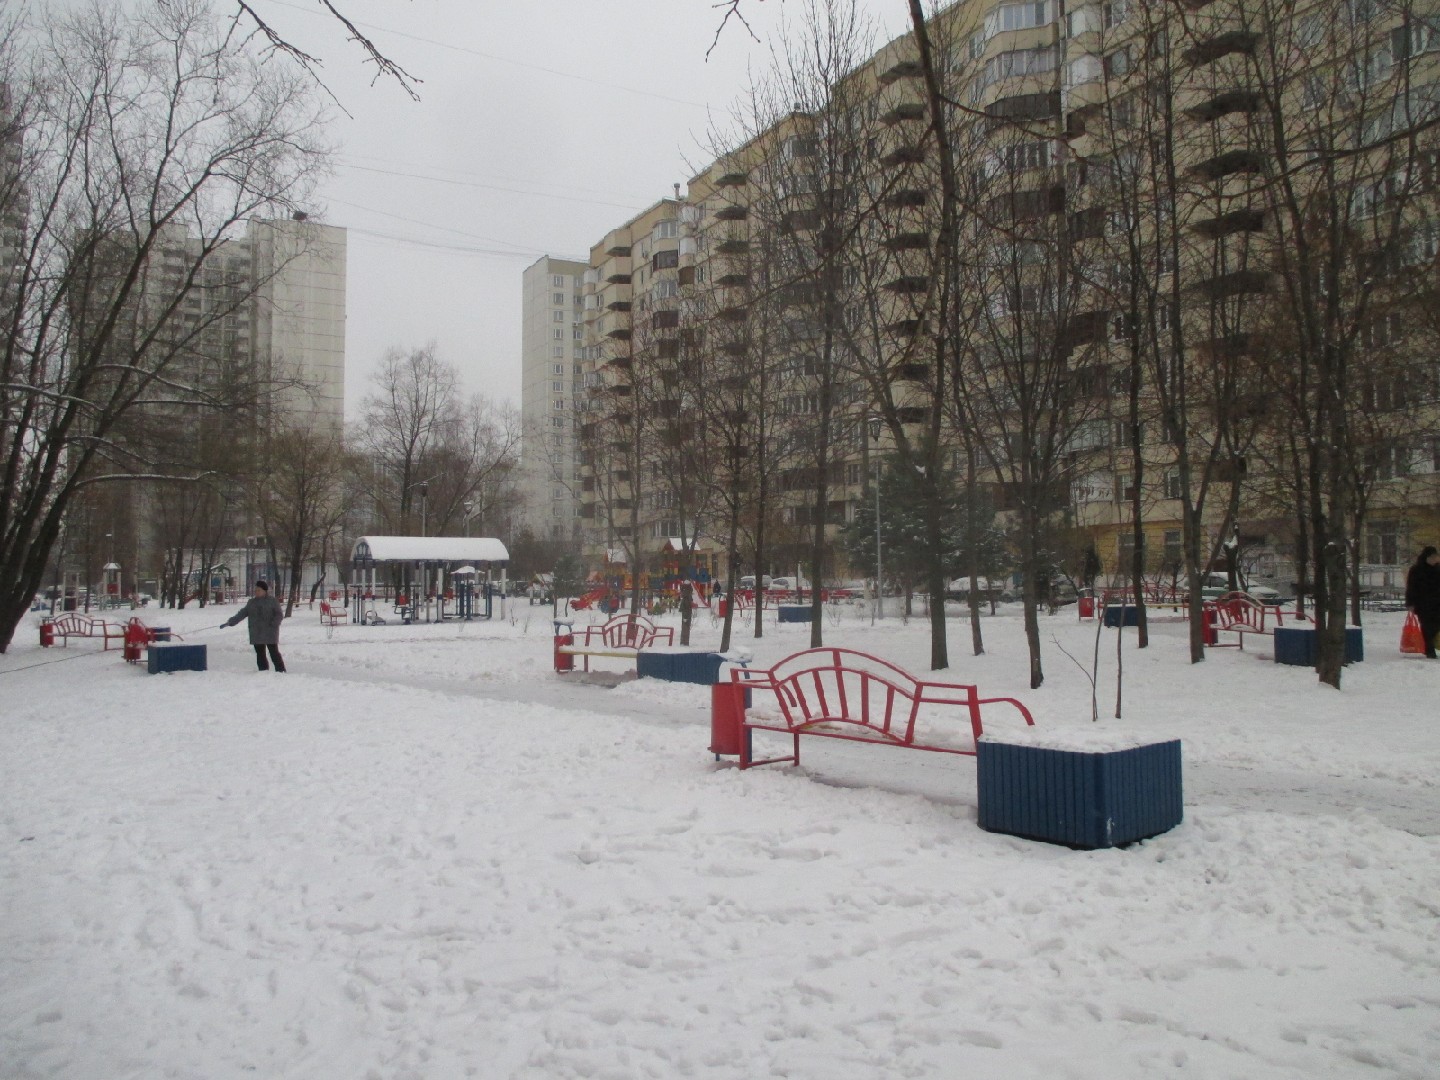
(727, 710)
(1087, 607)
(47, 633)
(564, 661)
(722, 607)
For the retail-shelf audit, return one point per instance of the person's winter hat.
(262, 585)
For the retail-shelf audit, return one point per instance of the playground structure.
(435, 577)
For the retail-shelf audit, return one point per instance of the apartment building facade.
(552, 386)
(1122, 330)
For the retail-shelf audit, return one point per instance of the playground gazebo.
(427, 563)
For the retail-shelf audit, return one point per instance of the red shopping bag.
(1411, 639)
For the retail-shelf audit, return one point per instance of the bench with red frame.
(1240, 614)
(838, 693)
(622, 637)
(332, 615)
(73, 624)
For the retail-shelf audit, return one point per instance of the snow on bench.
(622, 637)
(839, 693)
(1239, 613)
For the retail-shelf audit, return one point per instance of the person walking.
(1422, 595)
(264, 613)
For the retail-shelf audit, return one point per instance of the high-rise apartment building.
(1172, 225)
(552, 383)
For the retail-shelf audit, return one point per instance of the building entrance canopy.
(370, 550)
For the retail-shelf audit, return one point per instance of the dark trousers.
(1429, 626)
(275, 657)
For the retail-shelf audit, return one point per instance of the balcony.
(907, 327)
(1029, 205)
(1235, 283)
(1023, 108)
(918, 373)
(1226, 44)
(908, 241)
(1085, 328)
(1227, 224)
(733, 246)
(903, 112)
(618, 333)
(731, 179)
(618, 363)
(1247, 102)
(900, 69)
(911, 414)
(618, 277)
(732, 280)
(732, 311)
(801, 221)
(908, 284)
(904, 155)
(907, 198)
(665, 319)
(1230, 163)
(732, 213)
(618, 248)
(618, 305)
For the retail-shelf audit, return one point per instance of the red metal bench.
(73, 624)
(842, 694)
(331, 615)
(622, 637)
(1241, 614)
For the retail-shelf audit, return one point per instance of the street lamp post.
(875, 423)
(424, 503)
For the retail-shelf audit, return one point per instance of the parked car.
(1216, 584)
(959, 589)
(748, 581)
(786, 584)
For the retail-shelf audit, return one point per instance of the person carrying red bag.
(1422, 595)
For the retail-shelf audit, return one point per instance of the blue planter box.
(795, 613)
(1081, 799)
(1115, 613)
(175, 657)
(1295, 645)
(691, 667)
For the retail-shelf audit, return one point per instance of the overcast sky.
(542, 124)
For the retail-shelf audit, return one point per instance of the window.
(558, 281)
(665, 230)
(1117, 64)
(558, 387)
(1382, 543)
(557, 369)
(557, 352)
(558, 334)
(1174, 552)
(558, 404)
(1173, 488)
(665, 260)
(557, 298)
(1024, 16)
(577, 332)
(557, 316)
(1082, 69)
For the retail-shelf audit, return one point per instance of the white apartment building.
(551, 345)
(299, 317)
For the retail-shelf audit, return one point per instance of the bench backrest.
(1239, 609)
(73, 623)
(832, 685)
(629, 632)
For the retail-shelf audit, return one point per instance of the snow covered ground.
(422, 854)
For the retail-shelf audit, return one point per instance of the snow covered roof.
(466, 549)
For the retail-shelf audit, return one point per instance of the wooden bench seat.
(621, 638)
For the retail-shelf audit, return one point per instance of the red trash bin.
(727, 710)
(47, 633)
(1209, 619)
(722, 607)
(564, 661)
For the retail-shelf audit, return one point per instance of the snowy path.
(419, 856)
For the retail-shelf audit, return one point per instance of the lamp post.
(470, 509)
(874, 424)
(424, 503)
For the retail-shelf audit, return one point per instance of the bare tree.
(131, 131)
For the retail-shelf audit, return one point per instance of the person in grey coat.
(264, 613)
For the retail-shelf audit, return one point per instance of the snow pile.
(421, 854)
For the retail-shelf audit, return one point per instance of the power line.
(491, 187)
(429, 225)
(507, 60)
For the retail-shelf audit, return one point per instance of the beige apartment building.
(552, 385)
(1130, 239)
